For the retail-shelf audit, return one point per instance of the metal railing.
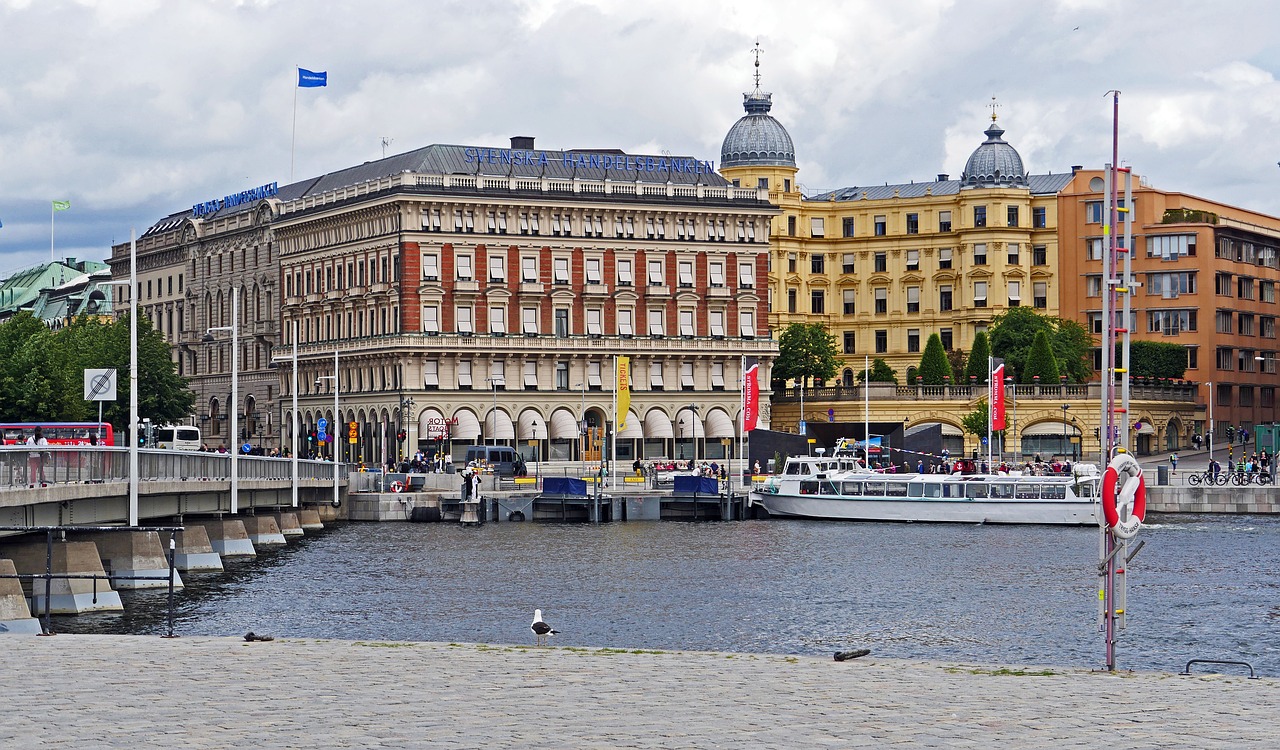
(24, 468)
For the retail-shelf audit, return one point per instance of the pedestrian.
(1173, 459)
(35, 459)
(920, 466)
(756, 467)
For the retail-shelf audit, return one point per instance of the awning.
(1049, 428)
(951, 431)
(497, 426)
(468, 426)
(532, 426)
(656, 425)
(563, 425)
(719, 425)
(689, 424)
(1144, 427)
(431, 424)
(634, 428)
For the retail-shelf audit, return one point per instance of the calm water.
(1203, 587)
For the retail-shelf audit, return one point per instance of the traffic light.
(401, 435)
(142, 440)
(311, 436)
(1231, 432)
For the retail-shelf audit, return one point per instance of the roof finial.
(994, 106)
(757, 52)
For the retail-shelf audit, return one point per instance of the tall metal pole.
(294, 417)
(332, 436)
(235, 399)
(133, 378)
(866, 407)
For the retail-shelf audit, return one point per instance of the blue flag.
(309, 79)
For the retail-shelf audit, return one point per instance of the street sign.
(322, 436)
(831, 415)
(246, 448)
(322, 423)
(100, 385)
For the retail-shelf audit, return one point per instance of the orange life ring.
(397, 486)
(1116, 496)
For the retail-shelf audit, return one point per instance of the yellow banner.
(624, 392)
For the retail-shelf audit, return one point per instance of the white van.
(178, 437)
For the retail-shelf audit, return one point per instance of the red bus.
(57, 433)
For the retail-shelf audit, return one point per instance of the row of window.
(159, 289)
(716, 321)
(531, 371)
(881, 340)
(335, 275)
(1223, 395)
(911, 224)
(1246, 251)
(1245, 324)
(711, 228)
(1245, 360)
(880, 261)
(593, 271)
(946, 298)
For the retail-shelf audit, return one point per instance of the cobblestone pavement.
(140, 692)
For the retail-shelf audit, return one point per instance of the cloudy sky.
(134, 109)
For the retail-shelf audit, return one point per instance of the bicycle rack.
(1187, 669)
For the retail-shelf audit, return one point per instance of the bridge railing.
(24, 468)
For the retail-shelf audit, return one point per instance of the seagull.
(540, 629)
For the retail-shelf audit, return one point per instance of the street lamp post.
(1013, 401)
(333, 449)
(293, 358)
(582, 427)
(1065, 455)
(234, 328)
(133, 375)
(1212, 427)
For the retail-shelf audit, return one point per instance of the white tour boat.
(827, 488)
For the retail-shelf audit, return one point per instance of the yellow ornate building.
(885, 266)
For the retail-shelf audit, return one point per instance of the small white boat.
(820, 488)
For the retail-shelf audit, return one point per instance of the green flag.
(61, 205)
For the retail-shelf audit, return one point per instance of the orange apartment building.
(1206, 277)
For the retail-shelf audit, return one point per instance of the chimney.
(943, 177)
(522, 142)
(1076, 168)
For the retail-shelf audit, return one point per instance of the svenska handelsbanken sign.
(235, 199)
(570, 159)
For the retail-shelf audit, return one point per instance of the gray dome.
(994, 163)
(757, 139)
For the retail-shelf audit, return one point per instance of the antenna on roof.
(994, 106)
(757, 52)
(386, 142)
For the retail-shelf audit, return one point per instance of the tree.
(934, 367)
(1040, 362)
(1155, 359)
(881, 372)
(1013, 331)
(979, 360)
(806, 350)
(975, 422)
(957, 360)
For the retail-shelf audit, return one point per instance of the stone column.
(289, 525)
(227, 536)
(263, 531)
(67, 596)
(134, 553)
(15, 615)
(194, 550)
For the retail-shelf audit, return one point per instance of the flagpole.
(990, 409)
(613, 438)
(294, 136)
(866, 406)
(52, 211)
(742, 424)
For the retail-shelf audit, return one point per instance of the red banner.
(750, 397)
(997, 399)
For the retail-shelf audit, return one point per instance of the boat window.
(794, 467)
(852, 488)
(1002, 491)
(976, 489)
(808, 488)
(932, 489)
(896, 489)
(830, 488)
(1054, 492)
(915, 489)
(1028, 492)
(874, 489)
(951, 489)
(1084, 489)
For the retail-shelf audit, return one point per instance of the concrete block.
(309, 520)
(15, 615)
(134, 553)
(227, 536)
(67, 596)
(289, 526)
(195, 553)
(263, 531)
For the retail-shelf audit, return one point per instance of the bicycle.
(1204, 477)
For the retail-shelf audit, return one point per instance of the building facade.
(885, 266)
(1207, 275)
(486, 294)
